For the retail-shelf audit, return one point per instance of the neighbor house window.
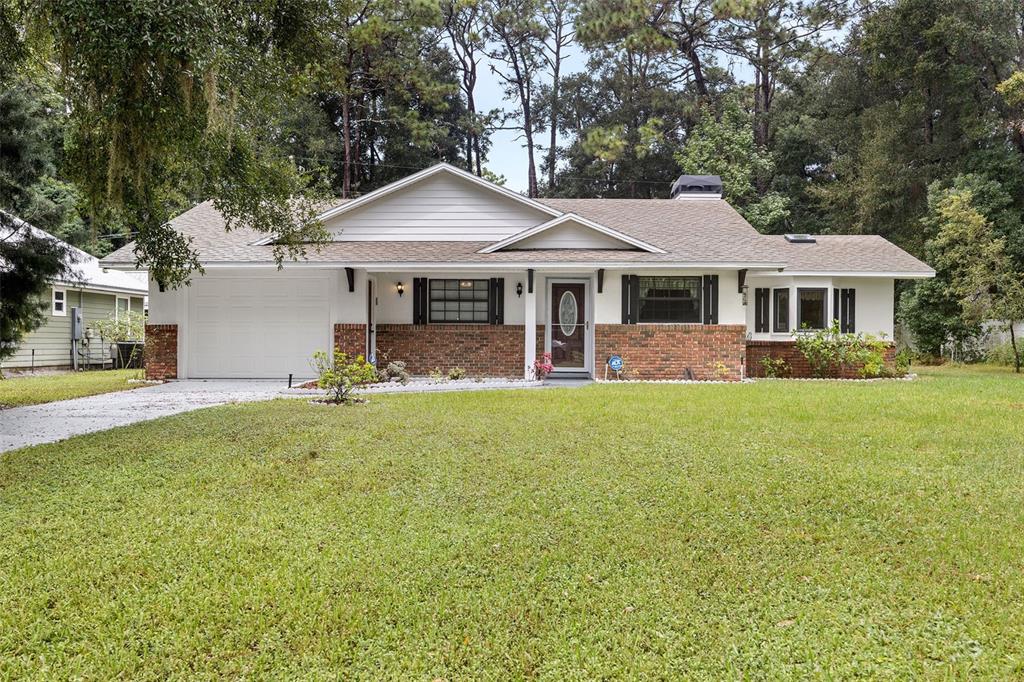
(780, 311)
(60, 303)
(810, 308)
(122, 308)
(669, 299)
(459, 300)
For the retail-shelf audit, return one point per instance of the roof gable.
(570, 231)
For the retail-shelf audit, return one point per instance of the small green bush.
(341, 374)
(774, 368)
(456, 373)
(1000, 355)
(830, 352)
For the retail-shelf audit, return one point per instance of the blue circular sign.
(615, 362)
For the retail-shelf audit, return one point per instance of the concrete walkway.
(35, 424)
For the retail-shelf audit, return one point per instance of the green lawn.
(46, 388)
(768, 531)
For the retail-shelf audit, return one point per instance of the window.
(669, 299)
(459, 300)
(59, 307)
(810, 308)
(122, 307)
(780, 306)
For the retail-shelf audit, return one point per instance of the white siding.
(395, 309)
(438, 208)
(875, 308)
(570, 236)
(730, 302)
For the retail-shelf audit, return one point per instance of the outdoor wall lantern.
(519, 289)
(401, 289)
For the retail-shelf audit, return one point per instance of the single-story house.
(95, 292)
(444, 269)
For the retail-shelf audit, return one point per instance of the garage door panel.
(258, 327)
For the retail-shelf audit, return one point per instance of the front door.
(568, 327)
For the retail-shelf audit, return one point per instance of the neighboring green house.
(100, 294)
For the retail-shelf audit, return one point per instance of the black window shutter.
(838, 302)
(634, 299)
(625, 299)
(630, 298)
(710, 299)
(761, 297)
(497, 301)
(848, 316)
(419, 300)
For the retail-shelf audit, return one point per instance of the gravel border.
(428, 386)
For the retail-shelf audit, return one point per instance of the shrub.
(436, 375)
(774, 368)
(903, 360)
(830, 352)
(341, 374)
(1001, 354)
(456, 373)
(396, 371)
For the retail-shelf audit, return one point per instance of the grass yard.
(763, 531)
(16, 391)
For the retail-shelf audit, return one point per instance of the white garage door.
(257, 327)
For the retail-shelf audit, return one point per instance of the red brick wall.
(161, 351)
(350, 338)
(483, 350)
(798, 365)
(665, 351)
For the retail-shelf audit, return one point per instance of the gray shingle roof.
(704, 231)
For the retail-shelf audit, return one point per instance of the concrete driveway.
(35, 424)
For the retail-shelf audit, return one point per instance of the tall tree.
(625, 116)
(984, 275)
(774, 37)
(516, 36)
(465, 26)
(558, 17)
(160, 95)
(680, 27)
(724, 145)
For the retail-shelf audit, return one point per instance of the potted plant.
(542, 367)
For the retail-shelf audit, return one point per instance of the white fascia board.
(851, 273)
(499, 265)
(561, 220)
(70, 286)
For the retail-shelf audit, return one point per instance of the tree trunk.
(531, 190)
(472, 140)
(552, 156)
(1016, 354)
(346, 177)
(698, 73)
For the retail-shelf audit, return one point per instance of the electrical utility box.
(77, 324)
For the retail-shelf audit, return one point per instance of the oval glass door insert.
(567, 311)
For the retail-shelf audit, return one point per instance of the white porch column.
(530, 325)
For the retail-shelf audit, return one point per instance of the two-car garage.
(264, 326)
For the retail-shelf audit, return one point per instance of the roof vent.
(697, 186)
(800, 239)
